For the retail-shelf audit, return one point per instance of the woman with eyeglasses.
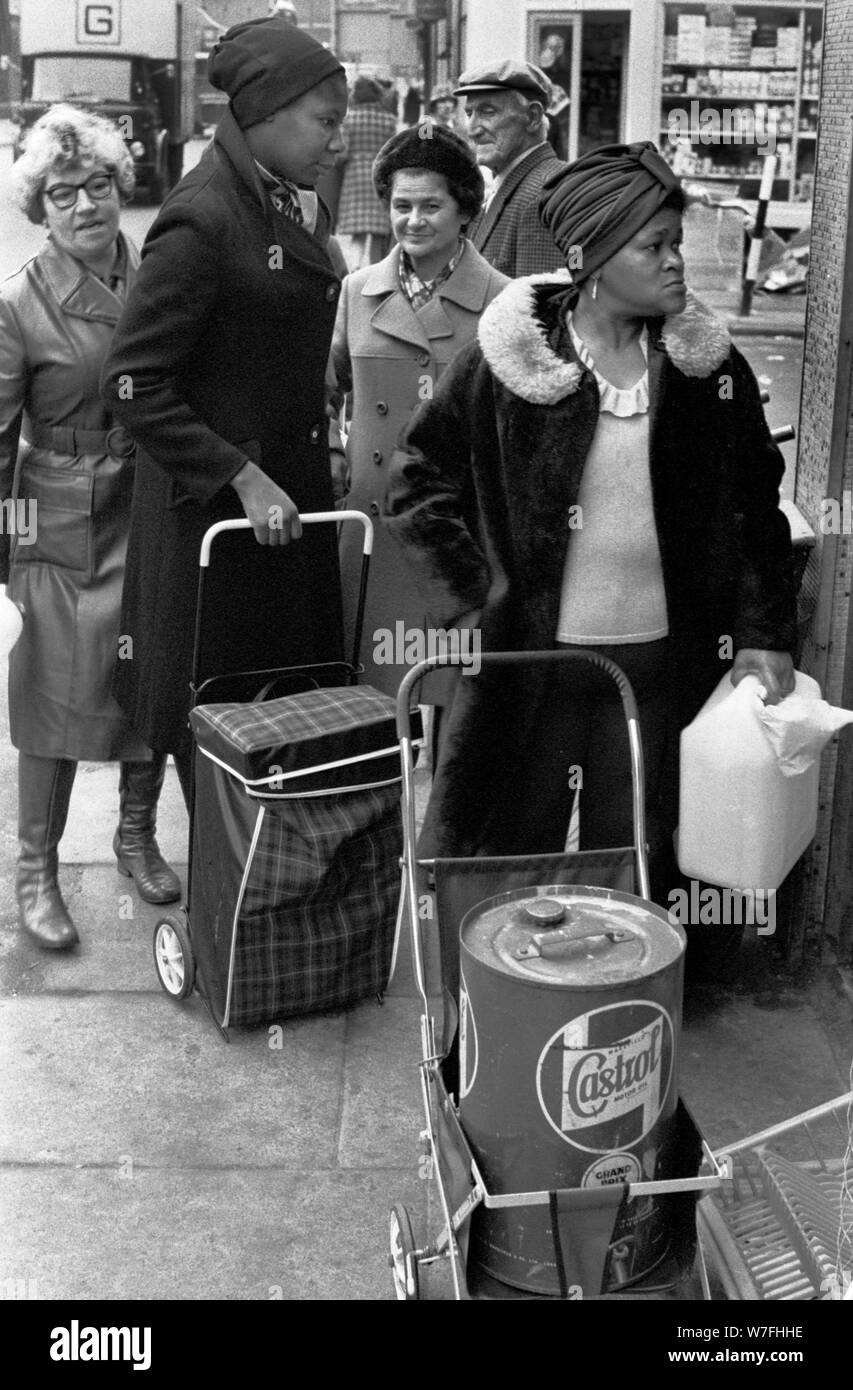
(66, 478)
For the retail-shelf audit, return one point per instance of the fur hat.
(432, 147)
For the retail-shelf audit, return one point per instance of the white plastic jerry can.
(743, 823)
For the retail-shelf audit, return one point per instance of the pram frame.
(439, 1107)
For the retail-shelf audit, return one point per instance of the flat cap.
(509, 76)
(265, 64)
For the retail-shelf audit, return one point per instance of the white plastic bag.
(799, 728)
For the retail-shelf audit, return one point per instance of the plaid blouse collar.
(420, 292)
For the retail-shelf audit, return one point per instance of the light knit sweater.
(612, 581)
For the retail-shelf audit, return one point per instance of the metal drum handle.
(560, 940)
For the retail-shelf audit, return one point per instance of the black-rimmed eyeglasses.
(64, 195)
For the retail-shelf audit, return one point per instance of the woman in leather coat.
(62, 545)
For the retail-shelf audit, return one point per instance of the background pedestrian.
(362, 222)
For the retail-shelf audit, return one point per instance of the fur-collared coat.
(479, 497)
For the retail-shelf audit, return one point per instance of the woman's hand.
(775, 671)
(274, 516)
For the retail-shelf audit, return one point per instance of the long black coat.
(221, 355)
(480, 496)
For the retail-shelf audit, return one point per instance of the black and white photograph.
(426, 670)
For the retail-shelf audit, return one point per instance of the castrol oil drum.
(570, 1010)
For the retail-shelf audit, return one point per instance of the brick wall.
(821, 921)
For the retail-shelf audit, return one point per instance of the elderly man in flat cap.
(217, 369)
(506, 105)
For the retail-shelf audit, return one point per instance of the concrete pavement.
(142, 1157)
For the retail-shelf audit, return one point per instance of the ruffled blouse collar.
(616, 400)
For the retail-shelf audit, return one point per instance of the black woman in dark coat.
(595, 470)
(218, 371)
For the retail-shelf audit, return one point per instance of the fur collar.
(522, 338)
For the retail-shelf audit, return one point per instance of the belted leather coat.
(66, 480)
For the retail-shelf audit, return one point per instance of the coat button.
(377, 456)
(332, 292)
(314, 433)
(423, 359)
(382, 407)
(374, 509)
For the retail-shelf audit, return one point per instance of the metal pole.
(757, 235)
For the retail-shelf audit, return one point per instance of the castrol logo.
(603, 1078)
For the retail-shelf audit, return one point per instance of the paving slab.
(744, 1067)
(93, 816)
(382, 1113)
(183, 1234)
(116, 929)
(108, 1079)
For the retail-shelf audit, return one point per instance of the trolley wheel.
(404, 1269)
(173, 955)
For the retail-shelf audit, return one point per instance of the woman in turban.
(595, 470)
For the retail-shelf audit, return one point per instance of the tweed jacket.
(479, 498)
(367, 128)
(220, 356)
(509, 233)
(388, 354)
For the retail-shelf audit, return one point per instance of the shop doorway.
(585, 56)
(604, 57)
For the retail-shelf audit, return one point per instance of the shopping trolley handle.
(307, 518)
(550, 656)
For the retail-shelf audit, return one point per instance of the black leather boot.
(44, 791)
(136, 849)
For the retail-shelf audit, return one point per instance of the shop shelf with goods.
(738, 82)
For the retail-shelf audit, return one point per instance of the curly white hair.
(66, 137)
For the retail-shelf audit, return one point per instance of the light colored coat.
(390, 357)
(56, 324)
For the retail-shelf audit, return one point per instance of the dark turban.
(601, 201)
(435, 148)
(265, 64)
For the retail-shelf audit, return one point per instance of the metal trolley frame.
(460, 1183)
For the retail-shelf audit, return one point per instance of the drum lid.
(571, 936)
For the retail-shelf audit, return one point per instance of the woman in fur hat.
(594, 470)
(398, 325)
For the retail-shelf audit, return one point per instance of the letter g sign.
(98, 23)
